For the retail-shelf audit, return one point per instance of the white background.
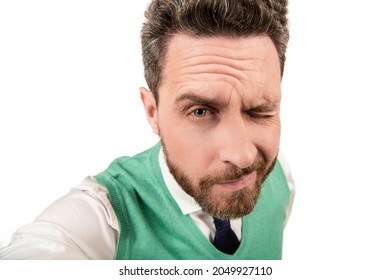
(69, 104)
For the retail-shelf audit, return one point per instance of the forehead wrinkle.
(218, 59)
(226, 86)
(209, 65)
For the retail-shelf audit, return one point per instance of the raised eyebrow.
(198, 99)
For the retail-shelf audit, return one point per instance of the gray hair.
(208, 18)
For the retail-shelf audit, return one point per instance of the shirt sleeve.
(290, 183)
(80, 225)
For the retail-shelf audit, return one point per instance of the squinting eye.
(200, 112)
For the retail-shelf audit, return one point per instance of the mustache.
(233, 173)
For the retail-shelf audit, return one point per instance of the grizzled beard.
(229, 206)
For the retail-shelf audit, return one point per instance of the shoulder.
(287, 171)
(290, 181)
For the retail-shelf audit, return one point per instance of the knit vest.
(152, 226)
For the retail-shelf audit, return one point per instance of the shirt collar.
(186, 203)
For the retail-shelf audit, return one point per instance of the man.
(213, 188)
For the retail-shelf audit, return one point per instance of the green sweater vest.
(152, 225)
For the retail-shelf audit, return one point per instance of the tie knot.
(221, 224)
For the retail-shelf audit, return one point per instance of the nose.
(236, 145)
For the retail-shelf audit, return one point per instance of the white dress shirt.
(83, 225)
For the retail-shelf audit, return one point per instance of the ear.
(150, 108)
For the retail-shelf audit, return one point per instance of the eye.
(200, 112)
(256, 115)
(259, 117)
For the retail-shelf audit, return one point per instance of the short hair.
(208, 18)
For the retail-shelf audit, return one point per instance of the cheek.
(188, 150)
(267, 141)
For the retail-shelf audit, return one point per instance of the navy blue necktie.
(225, 239)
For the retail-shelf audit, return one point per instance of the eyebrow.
(212, 101)
(264, 107)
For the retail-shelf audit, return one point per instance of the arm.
(80, 225)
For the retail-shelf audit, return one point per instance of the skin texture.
(218, 118)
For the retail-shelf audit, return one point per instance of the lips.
(242, 183)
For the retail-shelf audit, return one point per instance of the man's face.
(218, 118)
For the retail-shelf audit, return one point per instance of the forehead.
(242, 64)
(231, 45)
(238, 49)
